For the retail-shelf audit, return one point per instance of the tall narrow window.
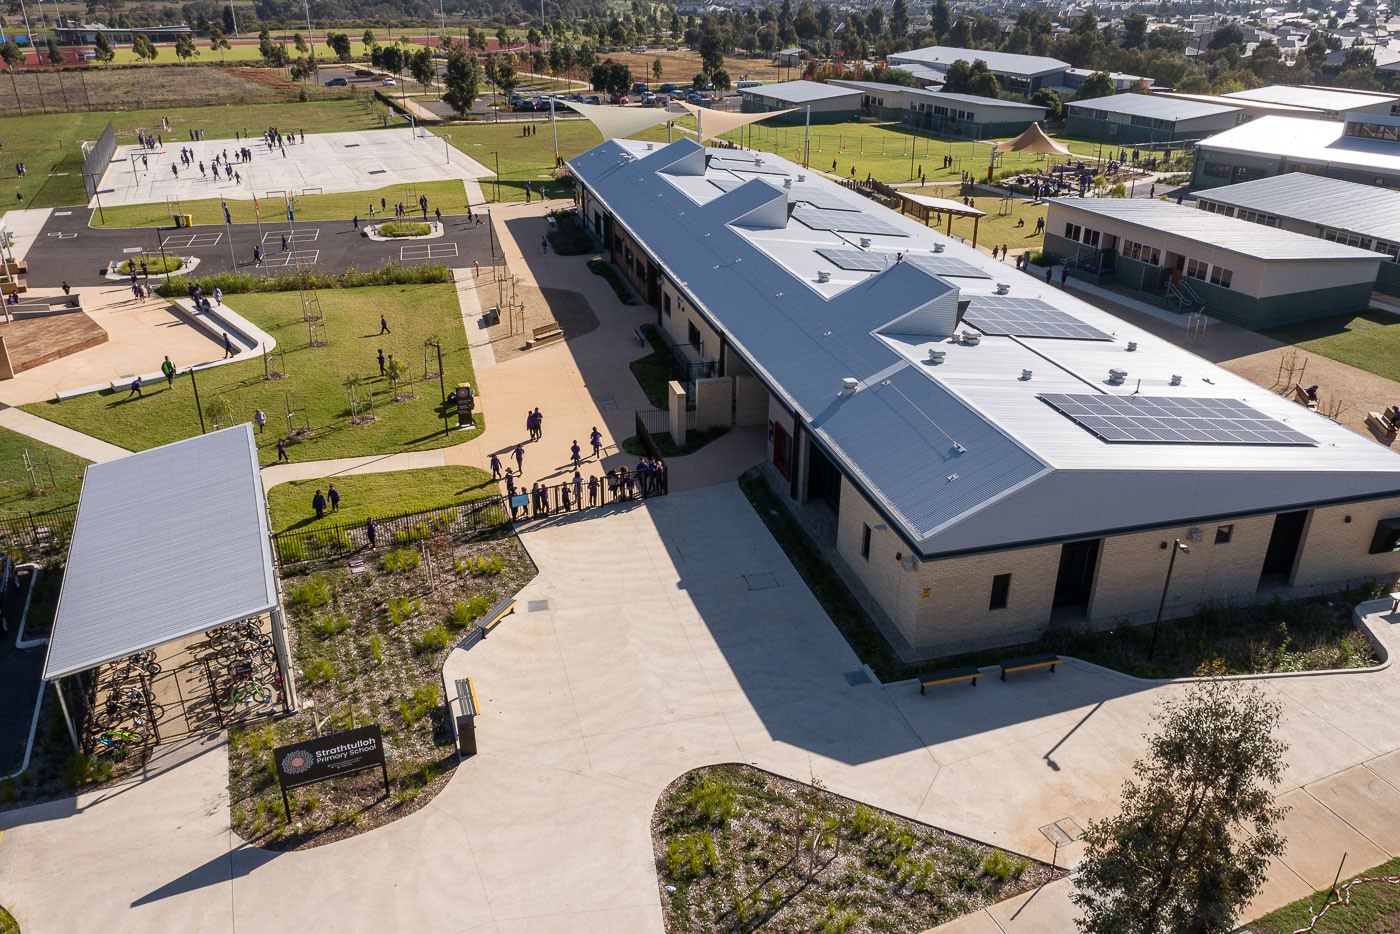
(865, 541)
(1001, 591)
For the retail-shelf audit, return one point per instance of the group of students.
(648, 478)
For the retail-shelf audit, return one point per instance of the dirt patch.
(570, 310)
(681, 66)
(144, 87)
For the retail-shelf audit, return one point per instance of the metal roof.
(801, 92)
(1215, 230)
(167, 543)
(1318, 142)
(1003, 62)
(975, 101)
(1317, 199)
(922, 72)
(1335, 100)
(1149, 105)
(961, 455)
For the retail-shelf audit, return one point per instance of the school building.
(1017, 74)
(1364, 148)
(827, 103)
(1316, 206)
(1144, 118)
(1194, 260)
(977, 452)
(962, 115)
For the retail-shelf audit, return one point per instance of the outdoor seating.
(1384, 423)
(949, 675)
(545, 332)
(1029, 662)
(493, 617)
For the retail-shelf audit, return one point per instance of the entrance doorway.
(823, 480)
(1283, 549)
(1075, 582)
(782, 451)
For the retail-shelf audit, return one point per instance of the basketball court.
(324, 164)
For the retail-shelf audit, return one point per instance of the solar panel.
(1028, 317)
(941, 265)
(1173, 420)
(858, 259)
(845, 221)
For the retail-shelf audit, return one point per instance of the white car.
(388, 83)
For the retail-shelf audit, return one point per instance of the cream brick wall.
(956, 613)
(1336, 551)
(714, 403)
(892, 586)
(682, 314)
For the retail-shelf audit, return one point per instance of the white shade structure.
(616, 122)
(714, 123)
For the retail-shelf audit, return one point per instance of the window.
(1072, 232)
(865, 541)
(692, 337)
(1141, 252)
(1220, 277)
(1091, 237)
(1256, 217)
(666, 304)
(1389, 249)
(1223, 534)
(1343, 237)
(1216, 170)
(1196, 269)
(628, 254)
(1001, 591)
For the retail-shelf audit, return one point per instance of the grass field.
(49, 144)
(682, 65)
(376, 494)
(1375, 907)
(994, 229)
(522, 158)
(62, 490)
(316, 376)
(1369, 341)
(449, 195)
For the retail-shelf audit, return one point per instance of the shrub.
(399, 560)
(402, 608)
(9, 790)
(312, 595)
(403, 229)
(422, 703)
(317, 669)
(329, 626)
(691, 856)
(234, 283)
(434, 639)
(1002, 867)
(601, 267)
(80, 770)
(376, 649)
(710, 800)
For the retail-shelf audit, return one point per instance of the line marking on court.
(427, 251)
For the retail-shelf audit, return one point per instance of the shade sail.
(718, 122)
(1032, 140)
(616, 122)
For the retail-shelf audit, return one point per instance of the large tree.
(143, 48)
(965, 77)
(420, 66)
(184, 48)
(103, 50)
(1198, 825)
(1098, 84)
(461, 81)
(340, 45)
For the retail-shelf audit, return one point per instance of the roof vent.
(865, 243)
(936, 356)
(971, 338)
(758, 161)
(1132, 345)
(823, 275)
(849, 386)
(1025, 374)
(787, 183)
(1116, 377)
(801, 177)
(1176, 379)
(650, 146)
(938, 248)
(1003, 288)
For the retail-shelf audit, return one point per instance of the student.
(371, 530)
(228, 346)
(539, 423)
(318, 503)
(510, 482)
(260, 419)
(168, 369)
(575, 453)
(282, 451)
(578, 489)
(593, 491)
(519, 454)
(495, 467)
(135, 388)
(334, 496)
(381, 361)
(218, 295)
(596, 440)
(384, 325)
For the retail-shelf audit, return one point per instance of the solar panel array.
(858, 260)
(1028, 317)
(1173, 420)
(845, 221)
(941, 265)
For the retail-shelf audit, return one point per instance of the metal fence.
(38, 534)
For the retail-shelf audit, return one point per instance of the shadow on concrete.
(223, 868)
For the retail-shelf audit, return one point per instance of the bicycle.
(144, 661)
(249, 692)
(130, 701)
(115, 743)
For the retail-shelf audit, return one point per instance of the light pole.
(447, 147)
(498, 174)
(195, 383)
(1176, 545)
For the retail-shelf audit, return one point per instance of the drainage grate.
(857, 677)
(763, 581)
(377, 171)
(537, 606)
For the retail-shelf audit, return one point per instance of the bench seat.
(1029, 662)
(949, 675)
(497, 613)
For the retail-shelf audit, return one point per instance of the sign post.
(331, 756)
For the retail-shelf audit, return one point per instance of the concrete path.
(658, 637)
(24, 227)
(59, 436)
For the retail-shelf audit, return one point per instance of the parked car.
(593, 99)
(388, 83)
(662, 100)
(694, 98)
(515, 100)
(669, 88)
(576, 98)
(337, 83)
(648, 98)
(618, 99)
(524, 105)
(363, 73)
(707, 86)
(640, 87)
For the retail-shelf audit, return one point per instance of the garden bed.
(369, 648)
(156, 265)
(740, 849)
(394, 229)
(567, 237)
(601, 267)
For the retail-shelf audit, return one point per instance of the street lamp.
(1176, 545)
(498, 174)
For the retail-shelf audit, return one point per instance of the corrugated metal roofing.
(1205, 227)
(167, 543)
(1321, 142)
(1336, 100)
(801, 92)
(1004, 62)
(1317, 199)
(1150, 105)
(930, 94)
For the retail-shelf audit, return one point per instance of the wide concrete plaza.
(324, 163)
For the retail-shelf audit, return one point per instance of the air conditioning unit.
(849, 386)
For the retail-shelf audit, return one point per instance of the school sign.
(327, 757)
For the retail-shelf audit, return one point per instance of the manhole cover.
(537, 606)
(377, 171)
(1064, 831)
(762, 581)
(856, 677)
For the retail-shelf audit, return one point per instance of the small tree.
(1099, 84)
(103, 50)
(219, 411)
(11, 54)
(340, 45)
(218, 42)
(656, 69)
(420, 66)
(720, 79)
(184, 48)
(1198, 827)
(56, 56)
(143, 48)
(299, 41)
(391, 59)
(461, 81)
(367, 40)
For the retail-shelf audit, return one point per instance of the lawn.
(8, 924)
(996, 228)
(656, 370)
(376, 494)
(51, 143)
(1374, 907)
(739, 849)
(60, 481)
(523, 158)
(315, 377)
(450, 195)
(1369, 341)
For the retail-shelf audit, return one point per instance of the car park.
(363, 73)
(389, 83)
(337, 83)
(619, 99)
(640, 87)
